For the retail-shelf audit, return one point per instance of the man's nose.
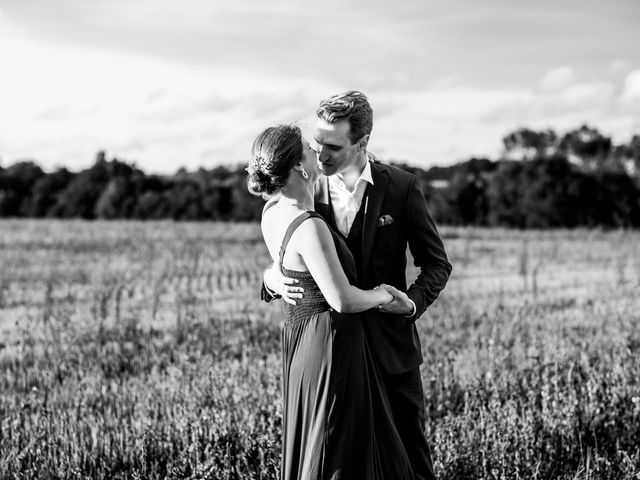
(322, 154)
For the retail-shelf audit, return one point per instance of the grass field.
(141, 350)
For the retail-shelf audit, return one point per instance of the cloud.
(558, 78)
(631, 92)
(600, 104)
(365, 44)
(135, 106)
(439, 126)
(579, 99)
(617, 66)
(166, 85)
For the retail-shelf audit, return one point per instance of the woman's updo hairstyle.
(273, 155)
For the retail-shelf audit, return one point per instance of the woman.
(336, 419)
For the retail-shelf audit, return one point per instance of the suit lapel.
(372, 210)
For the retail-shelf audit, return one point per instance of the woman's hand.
(385, 296)
(400, 302)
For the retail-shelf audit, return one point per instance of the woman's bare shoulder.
(313, 229)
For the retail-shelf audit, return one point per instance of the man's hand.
(401, 304)
(278, 284)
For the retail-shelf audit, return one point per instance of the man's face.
(335, 150)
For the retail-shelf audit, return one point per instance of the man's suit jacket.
(396, 196)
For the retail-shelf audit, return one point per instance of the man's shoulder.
(396, 173)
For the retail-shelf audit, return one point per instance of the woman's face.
(310, 161)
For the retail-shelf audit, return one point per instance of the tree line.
(542, 180)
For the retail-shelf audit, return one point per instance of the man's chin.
(327, 171)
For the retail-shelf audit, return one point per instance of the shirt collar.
(364, 176)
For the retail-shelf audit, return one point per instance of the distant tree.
(581, 179)
(615, 200)
(186, 200)
(474, 166)
(21, 176)
(549, 198)
(223, 173)
(16, 183)
(117, 200)
(152, 206)
(9, 203)
(439, 204)
(504, 194)
(551, 192)
(589, 148)
(456, 194)
(81, 194)
(85, 195)
(246, 207)
(468, 198)
(525, 144)
(543, 193)
(153, 201)
(45, 192)
(629, 156)
(210, 202)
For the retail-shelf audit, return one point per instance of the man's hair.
(352, 106)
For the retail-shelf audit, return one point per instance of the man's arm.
(428, 252)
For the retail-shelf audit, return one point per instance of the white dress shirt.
(346, 203)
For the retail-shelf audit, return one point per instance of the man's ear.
(363, 142)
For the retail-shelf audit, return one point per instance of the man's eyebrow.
(327, 144)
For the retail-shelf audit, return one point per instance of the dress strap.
(292, 228)
(270, 203)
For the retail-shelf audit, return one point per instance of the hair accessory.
(258, 164)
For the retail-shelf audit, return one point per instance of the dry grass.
(140, 350)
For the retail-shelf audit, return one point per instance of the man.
(379, 209)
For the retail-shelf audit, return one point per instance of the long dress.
(337, 423)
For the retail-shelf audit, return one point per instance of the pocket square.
(385, 220)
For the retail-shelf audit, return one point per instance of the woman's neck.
(298, 194)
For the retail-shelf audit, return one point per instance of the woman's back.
(275, 223)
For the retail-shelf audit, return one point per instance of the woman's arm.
(314, 243)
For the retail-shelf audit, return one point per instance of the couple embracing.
(337, 224)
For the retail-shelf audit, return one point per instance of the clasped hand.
(400, 304)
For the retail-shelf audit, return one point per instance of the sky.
(166, 84)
